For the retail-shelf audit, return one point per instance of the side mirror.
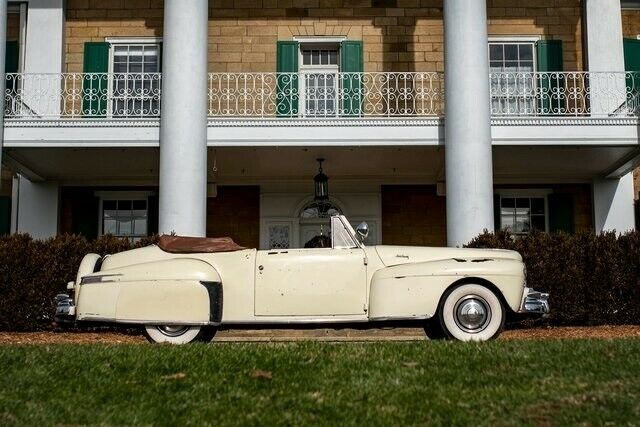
(363, 231)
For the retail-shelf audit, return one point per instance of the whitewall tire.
(471, 312)
(178, 334)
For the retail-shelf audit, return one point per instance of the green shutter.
(352, 66)
(94, 87)
(632, 65)
(287, 84)
(561, 212)
(550, 86)
(5, 215)
(496, 212)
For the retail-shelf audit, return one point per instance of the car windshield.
(340, 235)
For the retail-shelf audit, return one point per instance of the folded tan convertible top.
(190, 245)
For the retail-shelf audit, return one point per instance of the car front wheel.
(471, 312)
(178, 334)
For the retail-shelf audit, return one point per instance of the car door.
(312, 282)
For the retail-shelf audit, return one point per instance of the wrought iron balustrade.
(565, 94)
(320, 95)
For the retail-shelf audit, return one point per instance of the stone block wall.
(398, 35)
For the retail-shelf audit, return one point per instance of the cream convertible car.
(184, 288)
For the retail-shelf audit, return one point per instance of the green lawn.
(496, 383)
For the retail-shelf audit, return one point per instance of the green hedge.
(32, 272)
(592, 279)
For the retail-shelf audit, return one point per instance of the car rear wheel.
(471, 312)
(178, 334)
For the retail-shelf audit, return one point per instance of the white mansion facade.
(433, 119)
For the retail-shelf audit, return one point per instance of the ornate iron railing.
(320, 95)
(593, 94)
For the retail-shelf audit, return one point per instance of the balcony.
(353, 96)
(336, 109)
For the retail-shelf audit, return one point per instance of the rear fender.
(413, 291)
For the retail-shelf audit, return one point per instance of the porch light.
(321, 183)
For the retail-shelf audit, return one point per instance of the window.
(512, 66)
(125, 217)
(520, 213)
(340, 236)
(135, 87)
(319, 89)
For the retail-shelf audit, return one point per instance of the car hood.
(396, 255)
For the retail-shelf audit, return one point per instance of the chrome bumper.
(65, 309)
(534, 302)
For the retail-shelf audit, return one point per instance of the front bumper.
(65, 309)
(534, 302)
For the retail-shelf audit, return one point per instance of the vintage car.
(183, 289)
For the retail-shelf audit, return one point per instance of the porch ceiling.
(133, 166)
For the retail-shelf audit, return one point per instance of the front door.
(312, 282)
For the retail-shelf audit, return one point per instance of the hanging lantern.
(321, 183)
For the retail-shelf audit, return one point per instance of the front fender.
(170, 291)
(413, 291)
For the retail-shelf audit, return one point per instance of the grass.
(435, 383)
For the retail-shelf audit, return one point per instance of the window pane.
(340, 235)
(139, 204)
(523, 202)
(495, 52)
(333, 57)
(511, 52)
(126, 227)
(507, 219)
(508, 202)
(109, 226)
(124, 205)
(526, 52)
(140, 226)
(306, 57)
(109, 204)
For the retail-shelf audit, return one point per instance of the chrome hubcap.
(173, 330)
(472, 314)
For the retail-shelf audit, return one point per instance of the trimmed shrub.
(592, 279)
(32, 272)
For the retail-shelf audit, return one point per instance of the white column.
(605, 53)
(613, 204)
(3, 48)
(469, 170)
(36, 209)
(183, 127)
(43, 57)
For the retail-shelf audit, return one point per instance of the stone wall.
(631, 23)
(398, 35)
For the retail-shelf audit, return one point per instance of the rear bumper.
(65, 309)
(534, 302)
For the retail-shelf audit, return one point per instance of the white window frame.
(518, 40)
(121, 195)
(532, 40)
(535, 193)
(120, 41)
(318, 43)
